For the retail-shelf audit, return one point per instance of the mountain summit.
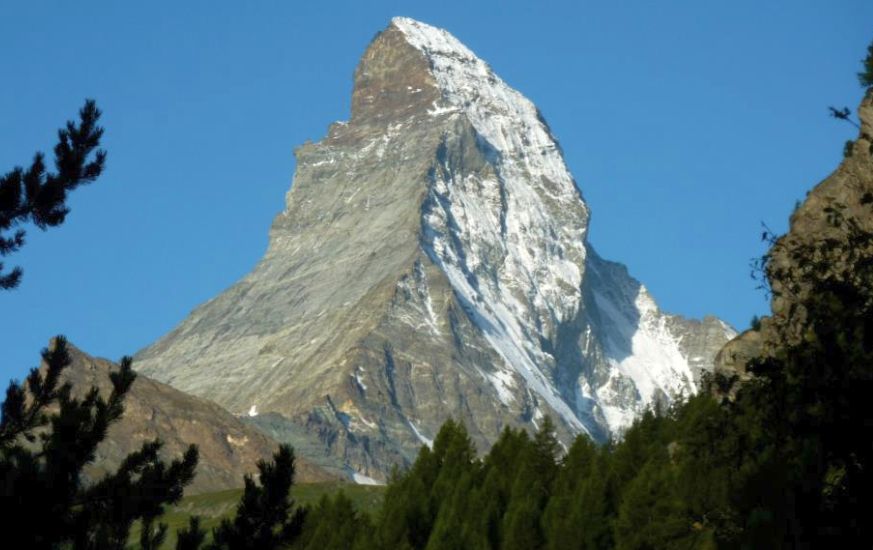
(432, 262)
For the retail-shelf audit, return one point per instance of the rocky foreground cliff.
(819, 221)
(432, 261)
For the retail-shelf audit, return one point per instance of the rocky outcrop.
(846, 194)
(431, 262)
(229, 449)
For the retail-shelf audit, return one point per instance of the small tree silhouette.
(844, 114)
(265, 517)
(865, 77)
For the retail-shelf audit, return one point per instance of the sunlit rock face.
(431, 262)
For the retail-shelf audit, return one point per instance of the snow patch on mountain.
(656, 364)
(515, 265)
(512, 244)
(426, 440)
(362, 479)
(506, 119)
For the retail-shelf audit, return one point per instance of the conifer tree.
(651, 515)
(498, 476)
(406, 517)
(414, 500)
(453, 526)
(812, 394)
(865, 77)
(192, 537)
(35, 195)
(334, 524)
(47, 436)
(577, 515)
(531, 491)
(265, 517)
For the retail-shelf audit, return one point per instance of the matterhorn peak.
(432, 261)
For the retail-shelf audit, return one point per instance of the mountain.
(229, 449)
(847, 193)
(432, 262)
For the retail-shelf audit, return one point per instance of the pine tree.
(265, 517)
(531, 490)
(454, 527)
(406, 518)
(577, 514)
(643, 440)
(865, 77)
(36, 196)
(811, 395)
(192, 537)
(334, 524)
(502, 461)
(651, 515)
(47, 436)
(456, 459)
(415, 500)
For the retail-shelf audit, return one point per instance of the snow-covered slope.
(513, 246)
(431, 261)
(515, 266)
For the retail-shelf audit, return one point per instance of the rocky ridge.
(432, 261)
(848, 190)
(229, 448)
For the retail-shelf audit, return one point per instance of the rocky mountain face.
(848, 193)
(432, 262)
(229, 448)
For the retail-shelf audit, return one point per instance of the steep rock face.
(848, 192)
(229, 448)
(431, 261)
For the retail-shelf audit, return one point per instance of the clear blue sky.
(686, 124)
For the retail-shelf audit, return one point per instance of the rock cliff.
(847, 193)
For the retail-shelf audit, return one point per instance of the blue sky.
(686, 124)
